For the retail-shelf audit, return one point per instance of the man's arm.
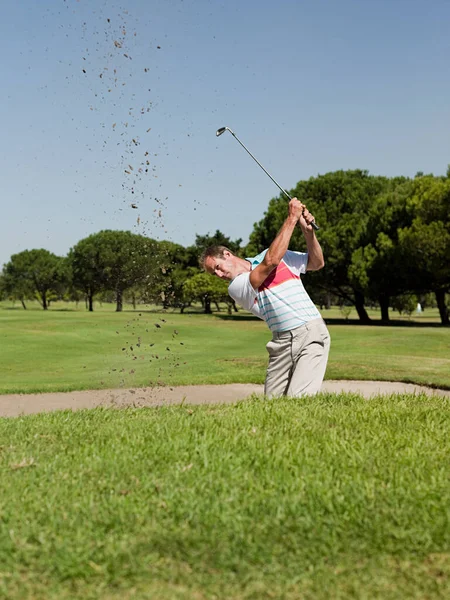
(315, 254)
(279, 245)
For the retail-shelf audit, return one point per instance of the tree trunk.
(443, 310)
(119, 301)
(133, 300)
(383, 299)
(208, 310)
(23, 304)
(44, 301)
(217, 306)
(233, 303)
(359, 305)
(90, 300)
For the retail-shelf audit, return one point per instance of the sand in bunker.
(13, 405)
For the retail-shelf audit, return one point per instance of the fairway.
(64, 350)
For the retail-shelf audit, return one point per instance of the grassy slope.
(67, 350)
(317, 498)
(63, 351)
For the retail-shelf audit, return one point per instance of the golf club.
(223, 129)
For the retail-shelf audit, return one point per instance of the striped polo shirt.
(281, 300)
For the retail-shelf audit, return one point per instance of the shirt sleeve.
(242, 292)
(296, 261)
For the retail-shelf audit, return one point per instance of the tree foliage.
(34, 273)
(340, 202)
(112, 260)
(425, 243)
(206, 289)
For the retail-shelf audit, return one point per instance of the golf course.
(225, 300)
(334, 496)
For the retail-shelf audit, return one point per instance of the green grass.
(331, 497)
(63, 350)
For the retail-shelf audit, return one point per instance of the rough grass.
(331, 497)
(75, 350)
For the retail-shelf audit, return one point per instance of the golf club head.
(222, 130)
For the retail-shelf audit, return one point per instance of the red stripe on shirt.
(281, 274)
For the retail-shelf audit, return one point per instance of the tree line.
(386, 242)
(117, 266)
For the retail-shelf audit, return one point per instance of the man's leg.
(310, 348)
(280, 365)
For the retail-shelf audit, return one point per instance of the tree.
(87, 267)
(376, 266)
(218, 239)
(168, 278)
(202, 242)
(340, 202)
(35, 272)
(406, 303)
(425, 243)
(13, 287)
(207, 289)
(129, 260)
(112, 260)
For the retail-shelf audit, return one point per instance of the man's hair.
(212, 251)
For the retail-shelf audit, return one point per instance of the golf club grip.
(313, 223)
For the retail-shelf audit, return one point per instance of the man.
(269, 285)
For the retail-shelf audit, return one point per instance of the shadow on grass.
(376, 323)
(224, 316)
(40, 309)
(339, 321)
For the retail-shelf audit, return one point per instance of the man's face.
(224, 267)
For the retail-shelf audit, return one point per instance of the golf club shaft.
(313, 224)
(266, 172)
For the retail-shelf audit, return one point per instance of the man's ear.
(226, 254)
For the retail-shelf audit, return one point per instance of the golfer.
(269, 285)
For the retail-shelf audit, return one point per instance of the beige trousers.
(297, 360)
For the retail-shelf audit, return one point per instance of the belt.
(291, 332)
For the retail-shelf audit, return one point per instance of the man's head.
(220, 261)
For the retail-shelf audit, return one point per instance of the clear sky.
(94, 88)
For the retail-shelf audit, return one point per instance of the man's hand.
(305, 220)
(296, 209)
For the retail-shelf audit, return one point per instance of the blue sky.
(308, 86)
